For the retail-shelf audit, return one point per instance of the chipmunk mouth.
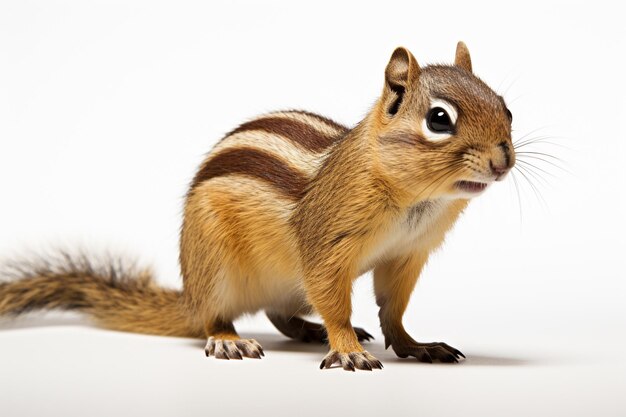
(471, 186)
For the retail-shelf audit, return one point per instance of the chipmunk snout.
(501, 161)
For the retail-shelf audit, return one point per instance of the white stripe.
(276, 145)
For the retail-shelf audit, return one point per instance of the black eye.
(439, 121)
(509, 114)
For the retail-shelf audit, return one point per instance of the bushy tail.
(118, 297)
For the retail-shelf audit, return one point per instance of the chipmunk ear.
(462, 58)
(401, 70)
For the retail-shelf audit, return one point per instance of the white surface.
(106, 109)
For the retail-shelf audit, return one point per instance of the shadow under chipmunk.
(272, 342)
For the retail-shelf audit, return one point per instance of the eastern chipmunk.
(290, 208)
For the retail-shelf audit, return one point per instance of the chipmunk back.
(288, 209)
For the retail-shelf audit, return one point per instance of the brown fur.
(291, 208)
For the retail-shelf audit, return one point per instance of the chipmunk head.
(441, 131)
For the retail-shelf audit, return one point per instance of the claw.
(209, 349)
(233, 349)
(233, 352)
(373, 361)
(456, 352)
(351, 361)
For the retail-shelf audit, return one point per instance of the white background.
(106, 110)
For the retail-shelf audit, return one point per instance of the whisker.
(529, 165)
(530, 133)
(542, 142)
(522, 156)
(519, 198)
(498, 88)
(537, 139)
(445, 172)
(443, 180)
(535, 175)
(536, 191)
(539, 153)
(514, 99)
(516, 79)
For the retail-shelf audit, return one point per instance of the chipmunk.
(290, 208)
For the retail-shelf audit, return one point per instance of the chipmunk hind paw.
(233, 349)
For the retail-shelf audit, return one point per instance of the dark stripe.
(299, 132)
(257, 164)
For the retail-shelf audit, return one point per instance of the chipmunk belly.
(411, 231)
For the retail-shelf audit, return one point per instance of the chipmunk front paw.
(429, 352)
(351, 360)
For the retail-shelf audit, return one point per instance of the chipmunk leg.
(306, 331)
(393, 283)
(330, 296)
(224, 343)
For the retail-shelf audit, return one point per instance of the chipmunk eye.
(438, 120)
(509, 114)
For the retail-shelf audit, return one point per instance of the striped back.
(284, 149)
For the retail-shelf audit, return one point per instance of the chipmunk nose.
(501, 162)
(498, 170)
